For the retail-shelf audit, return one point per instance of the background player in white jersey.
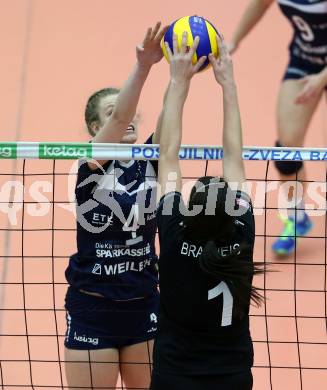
(112, 299)
(303, 85)
(206, 259)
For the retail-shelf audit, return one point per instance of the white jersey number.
(222, 288)
(132, 224)
(306, 32)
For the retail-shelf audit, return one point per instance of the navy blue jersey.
(116, 227)
(309, 21)
(199, 332)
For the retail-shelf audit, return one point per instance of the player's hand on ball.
(181, 67)
(223, 65)
(149, 51)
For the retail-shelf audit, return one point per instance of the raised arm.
(148, 53)
(181, 72)
(157, 133)
(252, 14)
(233, 167)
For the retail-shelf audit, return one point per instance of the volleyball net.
(38, 234)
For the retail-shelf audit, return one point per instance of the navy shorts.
(233, 381)
(97, 323)
(298, 68)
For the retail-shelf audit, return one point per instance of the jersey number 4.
(222, 288)
(132, 224)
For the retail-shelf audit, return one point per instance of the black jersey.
(309, 21)
(197, 332)
(116, 228)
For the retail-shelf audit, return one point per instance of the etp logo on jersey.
(103, 219)
(8, 150)
(64, 151)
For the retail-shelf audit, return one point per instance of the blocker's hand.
(149, 51)
(181, 66)
(223, 65)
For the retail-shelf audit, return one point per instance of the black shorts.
(298, 68)
(97, 323)
(233, 381)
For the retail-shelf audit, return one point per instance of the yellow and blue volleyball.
(195, 26)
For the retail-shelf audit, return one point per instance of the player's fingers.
(198, 65)
(223, 50)
(175, 44)
(194, 46)
(301, 100)
(303, 80)
(184, 42)
(169, 52)
(162, 33)
(305, 98)
(215, 62)
(304, 95)
(220, 34)
(147, 35)
(155, 30)
(139, 48)
(212, 59)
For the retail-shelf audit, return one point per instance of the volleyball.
(195, 26)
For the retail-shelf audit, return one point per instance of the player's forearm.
(157, 134)
(232, 129)
(129, 95)
(253, 13)
(125, 107)
(171, 129)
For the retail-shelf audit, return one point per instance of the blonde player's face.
(106, 107)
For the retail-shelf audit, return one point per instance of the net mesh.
(38, 236)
